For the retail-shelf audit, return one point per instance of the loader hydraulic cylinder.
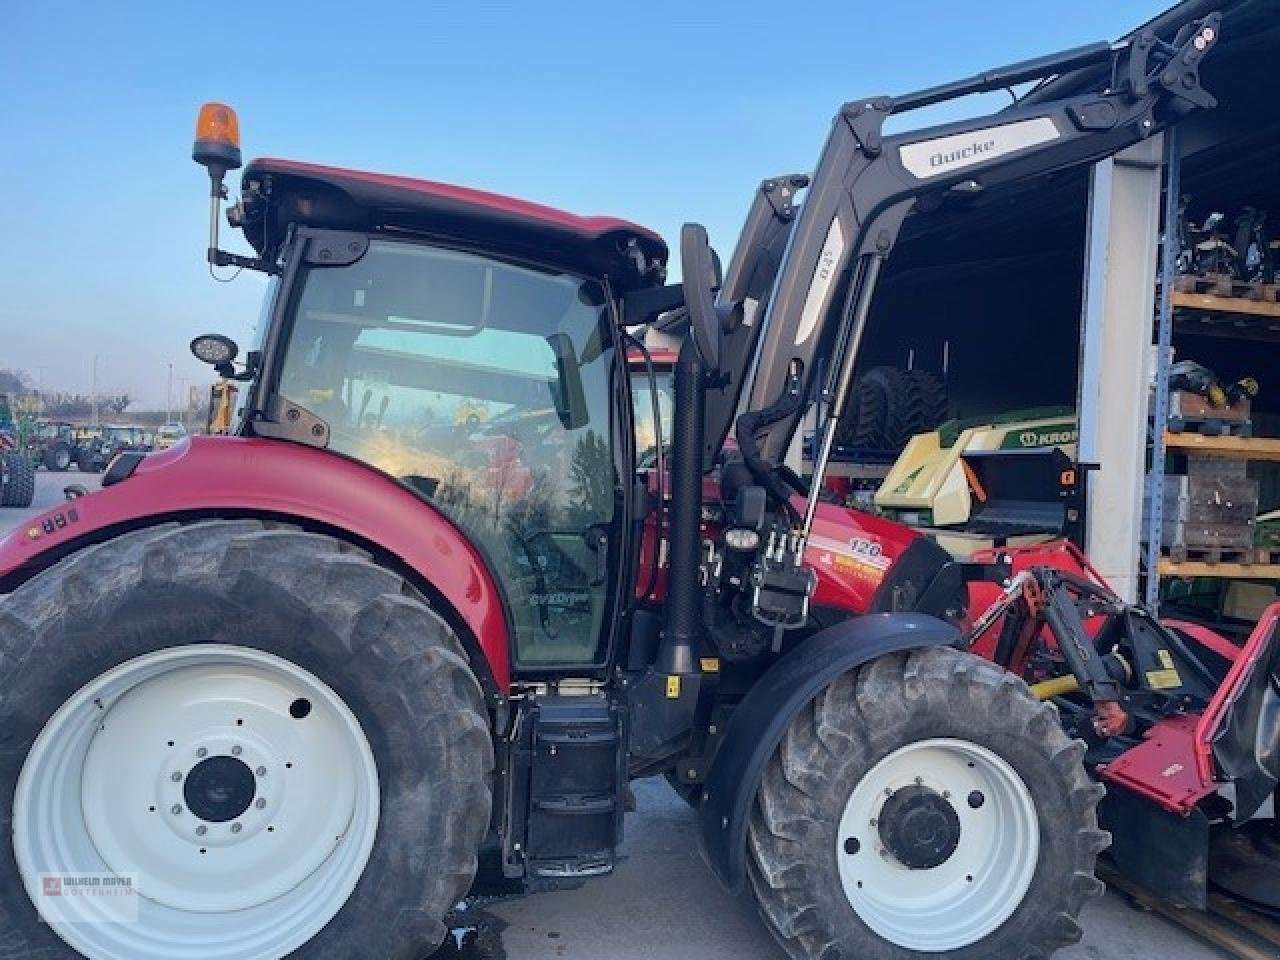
(682, 625)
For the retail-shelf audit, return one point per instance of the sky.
(653, 111)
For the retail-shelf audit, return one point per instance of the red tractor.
(279, 687)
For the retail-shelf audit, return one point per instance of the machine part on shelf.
(1248, 225)
(1242, 388)
(1213, 256)
(1198, 379)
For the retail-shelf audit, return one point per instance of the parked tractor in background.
(291, 679)
(97, 450)
(52, 444)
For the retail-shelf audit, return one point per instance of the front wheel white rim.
(989, 856)
(234, 790)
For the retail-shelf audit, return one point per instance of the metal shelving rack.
(1248, 448)
(1164, 360)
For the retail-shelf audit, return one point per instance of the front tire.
(925, 806)
(342, 730)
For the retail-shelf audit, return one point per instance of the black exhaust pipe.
(682, 624)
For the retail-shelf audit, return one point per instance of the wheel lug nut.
(976, 799)
(260, 802)
(236, 751)
(202, 752)
(919, 781)
(888, 791)
(176, 809)
(236, 828)
(261, 771)
(175, 776)
(201, 830)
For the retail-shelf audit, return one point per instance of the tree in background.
(14, 382)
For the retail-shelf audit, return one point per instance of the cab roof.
(295, 192)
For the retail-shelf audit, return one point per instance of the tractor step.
(566, 786)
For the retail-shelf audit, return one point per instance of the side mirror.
(217, 351)
(700, 277)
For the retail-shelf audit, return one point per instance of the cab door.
(485, 386)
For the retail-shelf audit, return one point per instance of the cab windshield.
(484, 386)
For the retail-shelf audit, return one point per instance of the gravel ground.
(662, 903)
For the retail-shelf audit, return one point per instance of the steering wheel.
(699, 278)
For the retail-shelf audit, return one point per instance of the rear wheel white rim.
(981, 883)
(236, 788)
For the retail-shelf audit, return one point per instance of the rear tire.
(928, 402)
(879, 414)
(324, 617)
(20, 481)
(991, 889)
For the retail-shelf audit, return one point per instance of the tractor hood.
(277, 193)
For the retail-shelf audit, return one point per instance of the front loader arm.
(866, 183)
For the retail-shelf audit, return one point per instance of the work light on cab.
(217, 351)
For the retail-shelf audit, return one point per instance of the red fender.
(212, 474)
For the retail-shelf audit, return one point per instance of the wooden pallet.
(1236, 930)
(1255, 556)
(1244, 448)
(1211, 426)
(1215, 285)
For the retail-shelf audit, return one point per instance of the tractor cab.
(469, 347)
